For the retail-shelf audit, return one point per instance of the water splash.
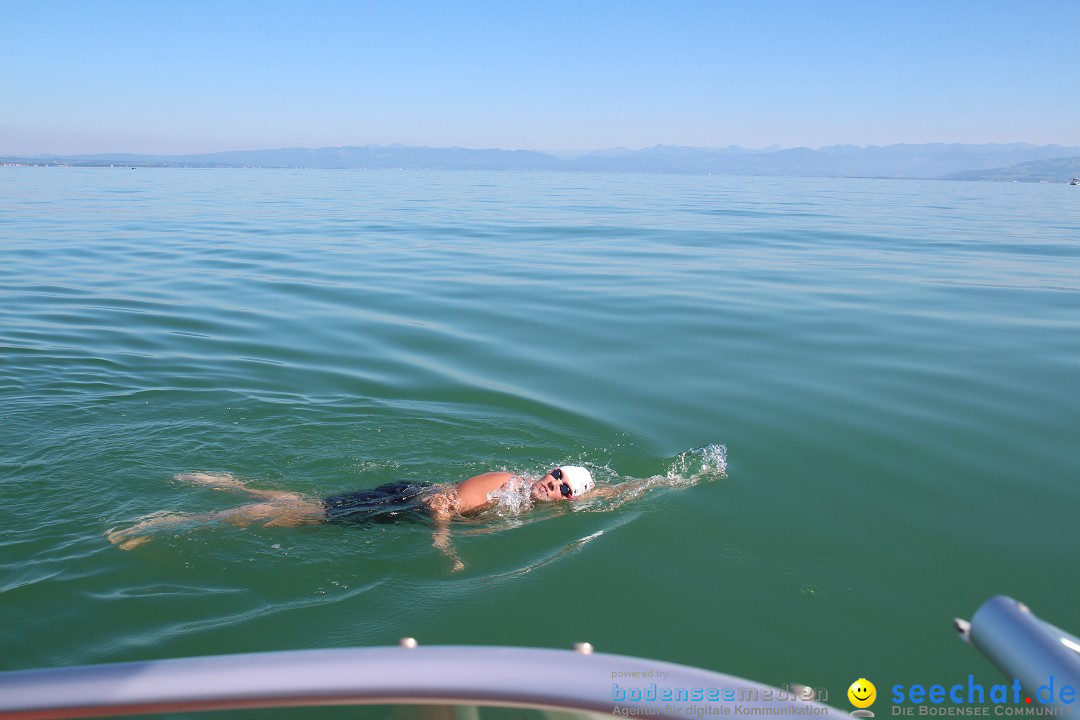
(690, 468)
(698, 465)
(513, 498)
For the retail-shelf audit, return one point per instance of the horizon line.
(578, 151)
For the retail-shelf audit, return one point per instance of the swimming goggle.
(563, 488)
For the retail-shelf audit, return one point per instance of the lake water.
(893, 368)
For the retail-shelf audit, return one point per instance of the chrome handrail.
(1024, 647)
(449, 675)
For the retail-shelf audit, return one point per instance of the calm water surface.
(892, 366)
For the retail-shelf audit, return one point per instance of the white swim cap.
(578, 478)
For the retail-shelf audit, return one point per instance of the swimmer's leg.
(139, 533)
(227, 482)
(279, 513)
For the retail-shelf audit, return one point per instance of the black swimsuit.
(389, 503)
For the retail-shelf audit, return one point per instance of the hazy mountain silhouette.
(933, 160)
(1054, 170)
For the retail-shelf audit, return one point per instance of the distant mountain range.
(1052, 170)
(1019, 161)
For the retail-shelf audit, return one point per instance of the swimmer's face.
(551, 487)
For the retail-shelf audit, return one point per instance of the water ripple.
(887, 361)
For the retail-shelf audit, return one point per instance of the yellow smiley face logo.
(862, 693)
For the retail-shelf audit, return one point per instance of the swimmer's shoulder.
(468, 496)
(473, 493)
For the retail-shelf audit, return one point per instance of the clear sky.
(187, 76)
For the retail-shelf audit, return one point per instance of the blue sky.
(157, 76)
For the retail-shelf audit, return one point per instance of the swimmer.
(387, 503)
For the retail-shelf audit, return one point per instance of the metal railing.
(1024, 647)
(563, 680)
(1043, 658)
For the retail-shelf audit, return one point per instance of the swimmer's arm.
(626, 490)
(441, 511)
(441, 540)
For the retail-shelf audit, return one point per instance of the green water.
(892, 367)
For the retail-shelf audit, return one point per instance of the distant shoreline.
(1003, 163)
